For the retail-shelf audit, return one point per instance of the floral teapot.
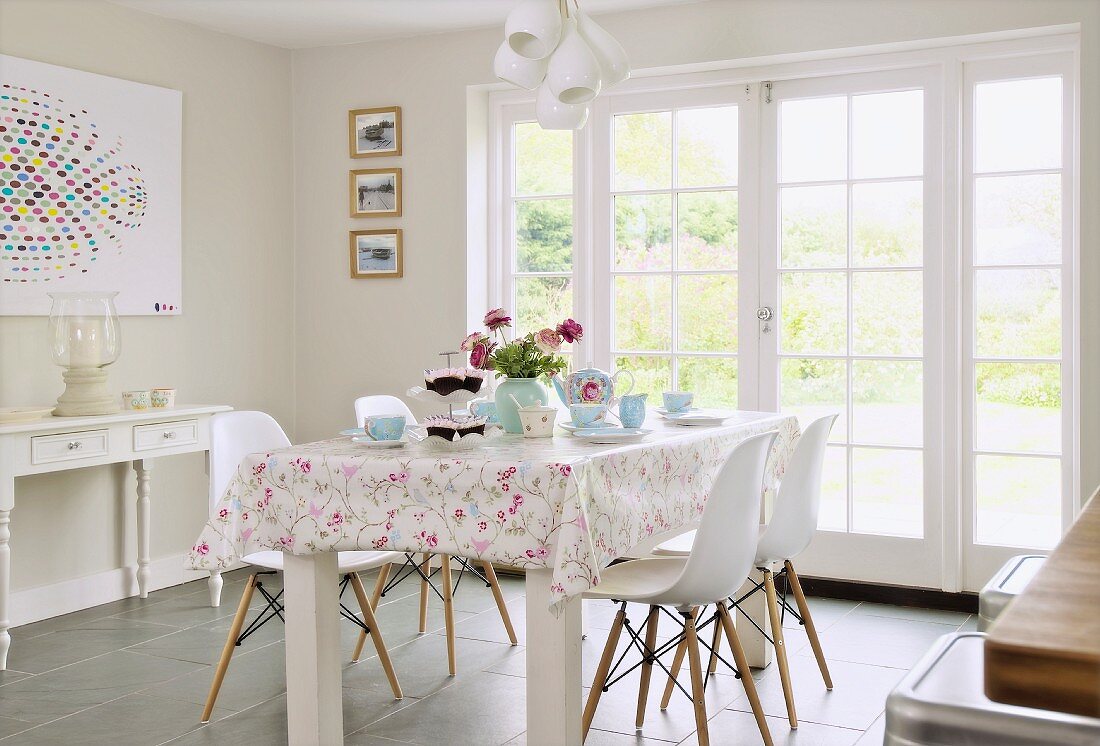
(591, 386)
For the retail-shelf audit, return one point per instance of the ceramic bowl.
(537, 422)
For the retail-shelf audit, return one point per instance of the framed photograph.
(376, 253)
(375, 132)
(375, 192)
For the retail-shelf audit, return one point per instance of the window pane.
(542, 302)
(706, 147)
(811, 388)
(1018, 313)
(887, 316)
(887, 492)
(1019, 501)
(833, 513)
(707, 313)
(1018, 219)
(643, 313)
(888, 134)
(708, 230)
(814, 226)
(1019, 407)
(643, 151)
(643, 232)
(813, 139)
(1034, 139)
(888, 224)
(712, 379)
(814, 310)
(652, 374)
(544, 235)
(544, 160)
(887, 399)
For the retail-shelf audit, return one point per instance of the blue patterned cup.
(678, 401)
(632, 410)
(588, 415)
(486, 409)
(385, 427)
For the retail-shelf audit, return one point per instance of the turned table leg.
(143, 469)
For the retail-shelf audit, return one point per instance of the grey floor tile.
(204, 643)
(10, 675)
(88, 640)
(488, 705)
(879, 641)
(488, 625)
(254, 676)
(400, 621)
(188, 611)
(735, 728)
(824, 611)
(937, 616)
(261, 725)
(874, 735)
(11, 726)
(970, 625)
(598, 737)
(366, 739)
(858, 695)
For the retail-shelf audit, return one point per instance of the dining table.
(559, 508)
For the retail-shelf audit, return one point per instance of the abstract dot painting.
(67, 194)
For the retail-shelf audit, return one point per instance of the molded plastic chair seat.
(1008, 583)
(345, 561)
(941, 702)
(638, 580)
(680, 546)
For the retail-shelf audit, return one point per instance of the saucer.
(612, 435)
(369, 442)
(570, 427)
(678, 413)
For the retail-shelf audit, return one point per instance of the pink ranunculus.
(479, 356)
(497, 318)
(548, 340)
(570, 330)
(471, 340)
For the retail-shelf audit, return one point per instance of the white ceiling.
(296, 24)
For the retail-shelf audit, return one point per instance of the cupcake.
(444, 381)
(474, 380)
(471, 426)
(442, 425)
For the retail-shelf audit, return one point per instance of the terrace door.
(849, 257)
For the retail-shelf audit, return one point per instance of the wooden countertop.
(1043, 651)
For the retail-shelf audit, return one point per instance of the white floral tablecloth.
(533, 503)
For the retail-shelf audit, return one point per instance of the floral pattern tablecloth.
(532, 503)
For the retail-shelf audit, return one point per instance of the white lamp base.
(85, 394)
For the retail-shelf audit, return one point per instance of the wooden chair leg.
(491, 576)
(695, 667)
(647, 664)
(598, 683)
(715, 644)
(674, 671)
(379, 586)
(230, 646)
(780, 648)
(425, 588)
(448, 611)
(742, 664)
(376, 634)
(811, 631)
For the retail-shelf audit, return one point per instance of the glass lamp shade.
(84, 329)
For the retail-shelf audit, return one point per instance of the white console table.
(60, 443)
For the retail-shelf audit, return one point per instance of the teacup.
(135, 399)
(632, 410)
(385, 427)
(163, 398)
(588, 415)
(486, 409)
(537, 422)
(678, 401)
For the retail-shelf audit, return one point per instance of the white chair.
(790, 530)
(383, 404)
(719, 561)
(234, 435)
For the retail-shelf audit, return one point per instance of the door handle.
(764, 313)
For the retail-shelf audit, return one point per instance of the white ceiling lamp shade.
(554, 115)
(563, 53)
(533, 28)
(574, 72)
(614, 65)
(519, 71)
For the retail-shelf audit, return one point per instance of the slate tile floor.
(137, 672)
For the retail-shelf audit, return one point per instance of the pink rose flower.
(497, 318)
(570, 330)
(548, 341)
(590, 391)
(479, 356)
(468, 343)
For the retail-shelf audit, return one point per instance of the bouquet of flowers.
(530, 356)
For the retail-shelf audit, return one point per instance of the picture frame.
(374, 133)
(375, 192)
(376, 253)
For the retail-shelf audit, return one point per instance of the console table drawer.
(165, 435)
(48, 449)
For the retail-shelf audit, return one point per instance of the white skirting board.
(43, 602)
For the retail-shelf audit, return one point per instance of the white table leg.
(214, 585)
(553, 666)
(143, 467)
(757, 650)
(313, 683)
(7, 502)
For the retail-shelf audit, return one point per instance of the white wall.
(234, 342)
(362, 336)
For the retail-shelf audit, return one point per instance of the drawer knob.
(74, 444)
(169, 434)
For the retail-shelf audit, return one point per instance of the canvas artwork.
(89, 189)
